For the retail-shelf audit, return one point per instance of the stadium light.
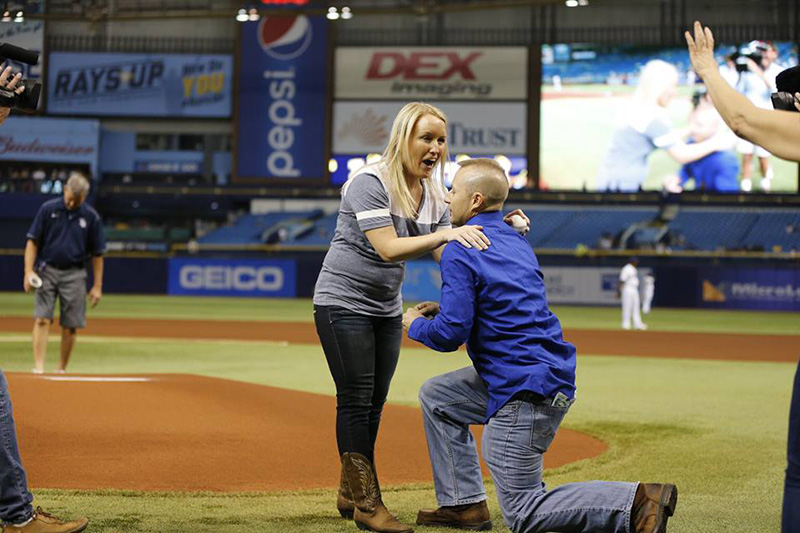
(242, 15)
(346, 13)
(6, 16)
(333, 165)
(571, 3)
(333, 14)
(20, 17)
(253, 15)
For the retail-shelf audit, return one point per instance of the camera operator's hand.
(11, 85)
(701, 50)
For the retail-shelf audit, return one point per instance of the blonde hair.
(657, 76)
(396, 157)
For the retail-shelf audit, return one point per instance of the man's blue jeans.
(514, 441)
(15, 500)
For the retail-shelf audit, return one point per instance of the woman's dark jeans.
(362, 353)
(791, 491)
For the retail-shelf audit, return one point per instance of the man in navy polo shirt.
(64, 234)
(520, 386)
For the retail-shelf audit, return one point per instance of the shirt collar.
(488, 218)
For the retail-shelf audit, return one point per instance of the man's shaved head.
(487, 177)
(480, 185)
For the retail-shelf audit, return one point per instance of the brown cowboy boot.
(369, 514)
(344, 498)
(653, 504)
(472, 516)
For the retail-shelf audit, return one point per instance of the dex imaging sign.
(282, 98)
(220, 277)
(390, 73)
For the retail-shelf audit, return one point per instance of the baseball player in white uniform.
(629, 293)
(648, 290)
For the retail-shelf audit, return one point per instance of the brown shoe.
(472, 516)
(369, 514)
(344, 498)
(653, 504)
(45, 523)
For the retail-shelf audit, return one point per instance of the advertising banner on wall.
(490, 128)
(283, 78)
(50, 140)
(762, 288)
(28, 35)
(432, 73)
(162, 85)
(232, 277)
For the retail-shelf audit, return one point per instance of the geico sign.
(240, 278)
(421, 65)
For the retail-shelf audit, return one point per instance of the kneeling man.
(520, 386)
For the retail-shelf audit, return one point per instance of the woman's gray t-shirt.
(353, 275)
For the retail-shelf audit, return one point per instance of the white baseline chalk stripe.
(99, 340)
(102, 380)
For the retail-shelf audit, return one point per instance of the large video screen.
(624, 119)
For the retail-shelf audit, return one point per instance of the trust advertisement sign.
(282, 98)
(762, 288)
(441, 73)
(489, 129)
(140, 84)
(232, 277)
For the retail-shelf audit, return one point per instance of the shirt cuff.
(418, 330)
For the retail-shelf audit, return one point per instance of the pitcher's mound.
(190, 433)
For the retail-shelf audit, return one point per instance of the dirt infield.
(778, 348)
(182, 432)
(178, 432)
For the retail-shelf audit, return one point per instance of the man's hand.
(94, 295)
(701, 50)
(428, 309)
(507, 219)
(11, 85)
(26, 284)
(410, 316)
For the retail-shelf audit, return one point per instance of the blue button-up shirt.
(495, 301)
(66, 238)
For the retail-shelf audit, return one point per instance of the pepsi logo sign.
(284, 37)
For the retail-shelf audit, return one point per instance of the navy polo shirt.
(67, 238)
(495, 301)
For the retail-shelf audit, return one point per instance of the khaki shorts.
(69, 286)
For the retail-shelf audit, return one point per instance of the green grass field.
(715, 428)
(583, 127)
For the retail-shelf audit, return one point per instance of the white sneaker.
(641, 327)
(37, 371)
(746, 185)
(626, 326)
(61, 372)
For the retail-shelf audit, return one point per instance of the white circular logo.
(82, 223)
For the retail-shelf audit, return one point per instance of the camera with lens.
(787, 83)
(28, 99)
(753, 50)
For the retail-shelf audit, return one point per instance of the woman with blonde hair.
(391, 211)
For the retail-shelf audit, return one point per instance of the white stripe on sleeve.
(373, 213)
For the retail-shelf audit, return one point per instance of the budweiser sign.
(496, 73)
(35, 146)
